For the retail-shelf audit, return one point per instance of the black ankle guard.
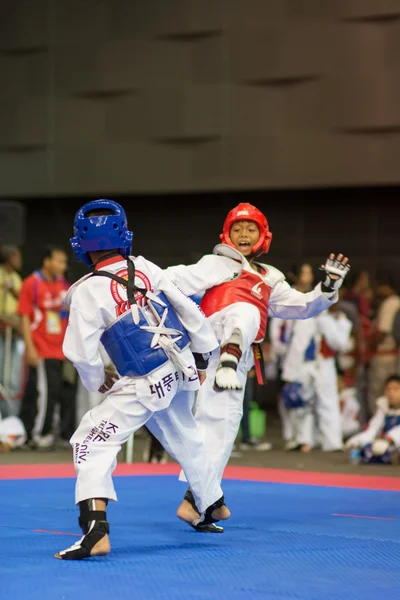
(207, 515)
(87, 514)
(207, 519)
(83, 548)
(204, 527)
(231, 364)
(190, 498)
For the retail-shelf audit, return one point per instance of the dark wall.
(306, 225)
(173, 95)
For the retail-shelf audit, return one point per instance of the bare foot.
(222, 513)
(305, 448)
(186, 512)
(5, 448)
(102, 548)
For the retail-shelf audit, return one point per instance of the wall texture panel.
(99, 96)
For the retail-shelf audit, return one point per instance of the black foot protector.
(83, 548)
(208, 524)
(94, 527)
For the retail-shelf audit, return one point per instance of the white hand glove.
(352, 442)
(226, 379)
(380, 446)
(332, 274)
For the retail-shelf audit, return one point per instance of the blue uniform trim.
(311, 352)
(390, 422)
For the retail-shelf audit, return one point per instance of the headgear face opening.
(103, 232)
(248, 212)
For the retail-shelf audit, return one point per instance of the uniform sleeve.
(202, 337)
(82, 339)
(209, 271)
(335, 331)
(394, 434)
(25, 300)
(287, 303)
(294, 359)
(374, 428)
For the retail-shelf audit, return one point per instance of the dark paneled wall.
(124, 96)
(306, 226)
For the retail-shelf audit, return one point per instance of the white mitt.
(226, 379)
(332, 274)
(380, 446)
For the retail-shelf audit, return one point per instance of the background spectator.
(43, 325)
(381, 341)
(11, 362)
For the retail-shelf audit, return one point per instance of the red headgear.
(248, 212)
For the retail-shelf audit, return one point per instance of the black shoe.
(202, 527)
(28, 446)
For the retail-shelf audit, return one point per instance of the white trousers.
(301, 424)
(328, 415)
(106, 427)
(219, 413)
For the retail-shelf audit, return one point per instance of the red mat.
(366, 482)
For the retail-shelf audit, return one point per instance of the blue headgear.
(106, 232)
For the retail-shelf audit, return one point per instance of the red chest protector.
(326, 350)
(248, 287)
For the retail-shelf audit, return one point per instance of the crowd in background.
(325, 376)
(329, 374)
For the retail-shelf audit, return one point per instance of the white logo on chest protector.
(255, 290)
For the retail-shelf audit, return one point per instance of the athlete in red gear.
(240, 293)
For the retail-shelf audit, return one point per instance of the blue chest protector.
(128, 344)
(391, 421)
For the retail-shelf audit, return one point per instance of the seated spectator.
(12, 433)
(380, 441)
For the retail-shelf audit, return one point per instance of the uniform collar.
(108, 261)
(40, 275)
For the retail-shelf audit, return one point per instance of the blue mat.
(282, 543)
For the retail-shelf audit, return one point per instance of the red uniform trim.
(326, 350)
(248, 287)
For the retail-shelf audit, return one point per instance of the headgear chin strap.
(103, 232)
(248, 212)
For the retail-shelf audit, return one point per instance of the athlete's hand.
(110, 377)
(333, 272)
(32, 357)
(202, 376)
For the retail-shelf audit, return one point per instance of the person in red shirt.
(44, 322)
